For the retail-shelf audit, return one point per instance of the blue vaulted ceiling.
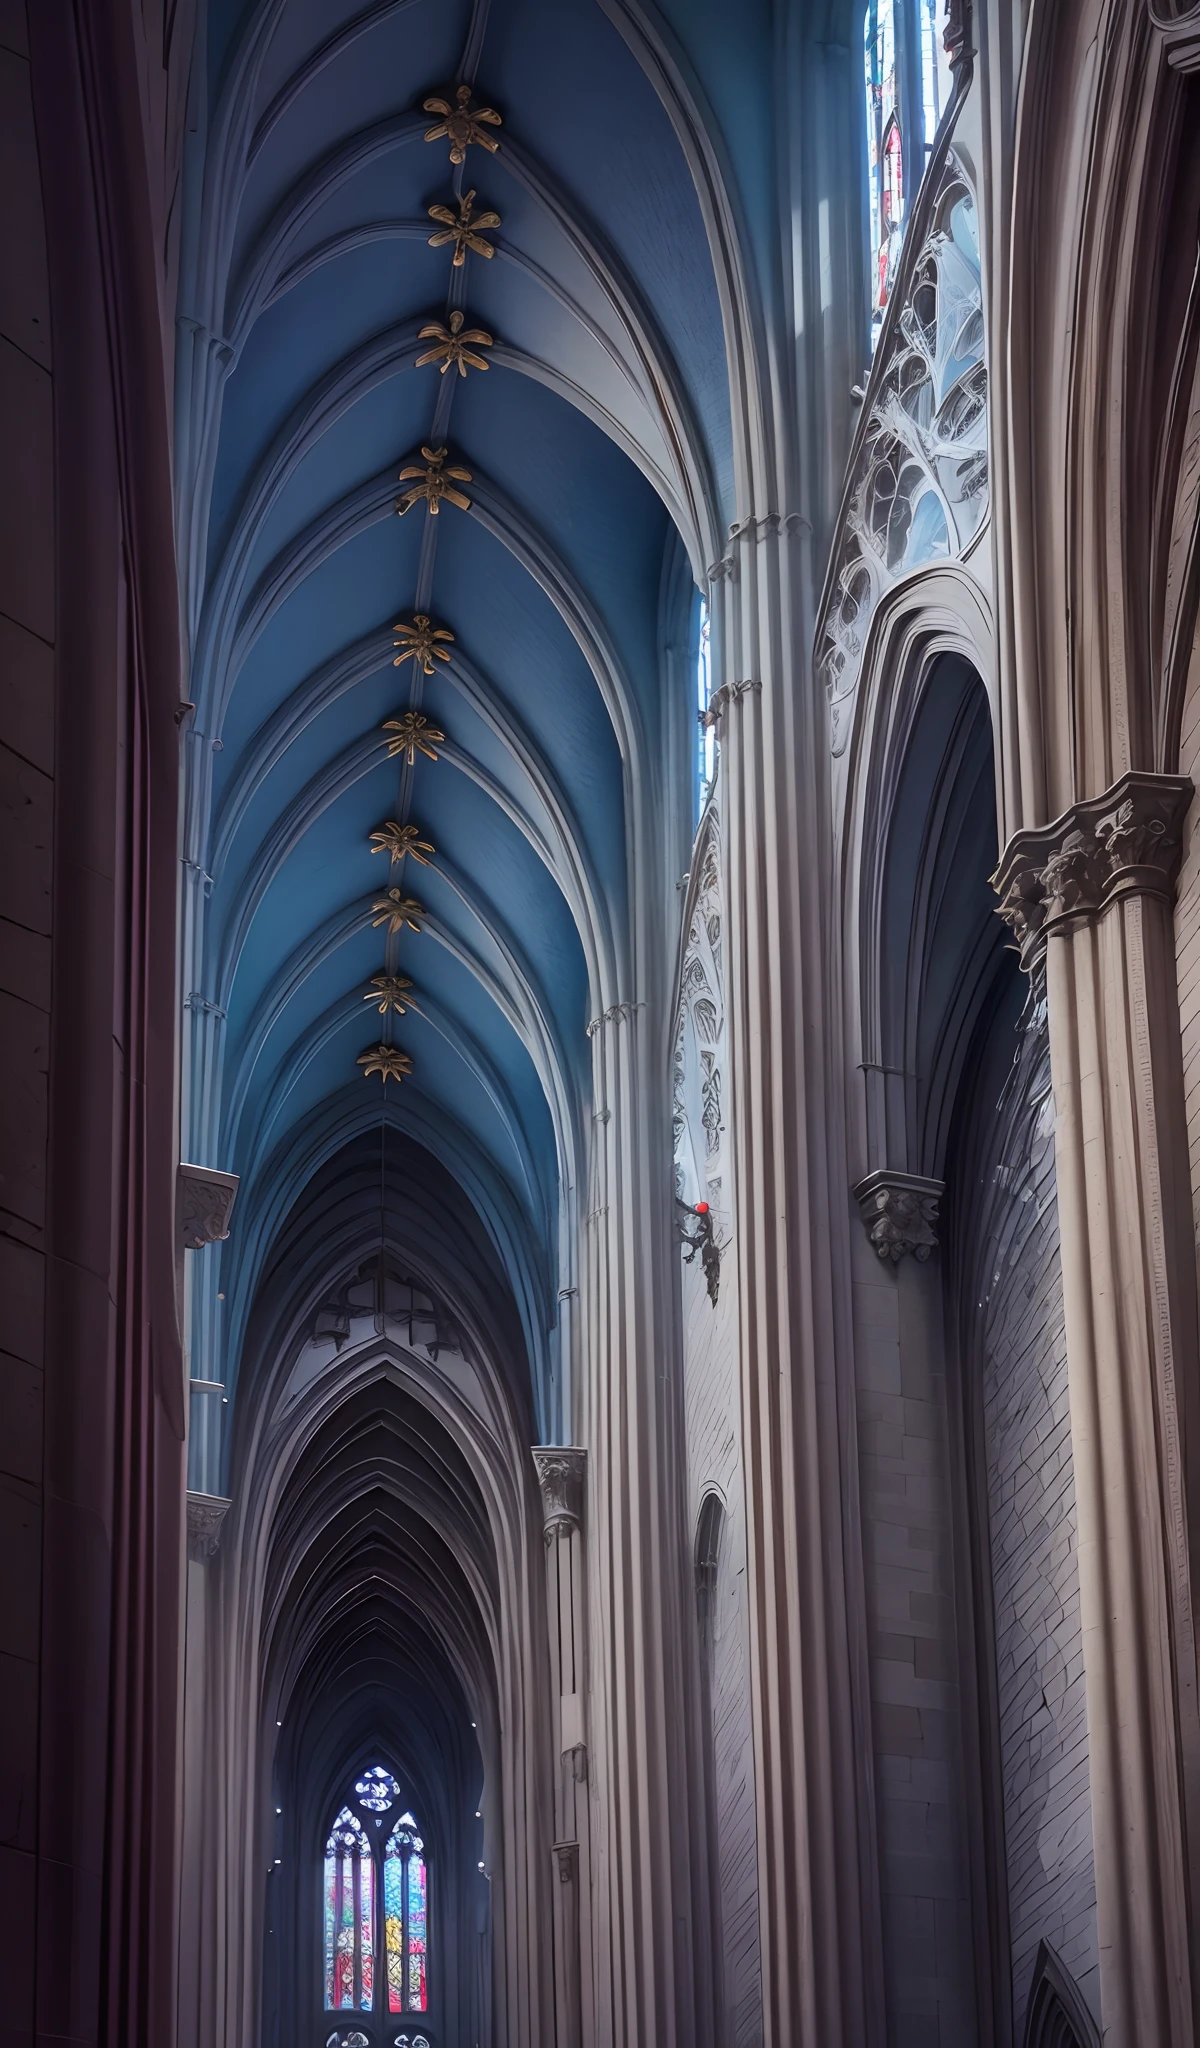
(598, 444)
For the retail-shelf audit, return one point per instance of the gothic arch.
(1056, 2016)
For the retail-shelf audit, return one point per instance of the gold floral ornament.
(412, 734)
(434, 483)
(389, 992)
(463, 229)
(421, 642)
(462, 124)
(401, 839)
(387, 1061)
(450, 345)
(397, 911)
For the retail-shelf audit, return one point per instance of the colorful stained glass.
(417, 1999)
(351, 1893)
(885, 153)
(349, 1916)
(376, 1789)
(937, 80)
(393, 1919)
(366, 1930)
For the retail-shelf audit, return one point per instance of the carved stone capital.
(203, 1200)
(1127, 842)
(205, 1514)
(560, 1469)
(900, 1213)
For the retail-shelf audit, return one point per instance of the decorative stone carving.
(697, 1232)
(561, 1469)
(698, 1060)
(900, 1213)
(1127, 842)
(566, 1855)
(918, 480)
(205, 1514)
(203, 1200)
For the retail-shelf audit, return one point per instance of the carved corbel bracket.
(205, 1514)
(900, 1213)
(561, 1470)
(203, 1200)
(1125, 843)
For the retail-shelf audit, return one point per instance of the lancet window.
(708, 739)
(375, 1884)
(908, 83)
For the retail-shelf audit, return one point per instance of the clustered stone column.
(561, 1471)
(1093, 893)
(819, 1957)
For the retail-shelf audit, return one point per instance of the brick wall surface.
(1031, 1516)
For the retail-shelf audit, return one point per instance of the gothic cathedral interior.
(600, 1023)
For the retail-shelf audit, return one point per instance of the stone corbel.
(900, 1213)
(560, 1469)
(1125, 843)
(203, 1201)
(205, 1514)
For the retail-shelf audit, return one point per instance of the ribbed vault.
(597, 442)
(389, 1039)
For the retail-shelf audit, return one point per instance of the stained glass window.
(404, 1892)
(363, 1867)
(908, 82)
(936, 79)
(349, 1916)
(885, 153)
(377, 1789)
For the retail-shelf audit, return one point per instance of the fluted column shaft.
(1094, 890)
(821, 1978)
(637, 1754)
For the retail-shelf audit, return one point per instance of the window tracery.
(699, 1049)
(368, 1874)
(917, 490)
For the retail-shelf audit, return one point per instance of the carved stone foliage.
(900, 1213)
(1127, 842)
(203, 1200)
(205, 1514)
(698, 1063)
(560, 1469)
(918, 484)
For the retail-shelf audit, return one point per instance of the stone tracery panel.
(918, 485)
(698, 1059)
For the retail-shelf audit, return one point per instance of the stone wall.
(1021, 1361)
(713, 1454)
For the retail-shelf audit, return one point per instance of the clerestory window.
(375, 1915)
(908, 84)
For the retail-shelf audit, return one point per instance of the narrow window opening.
(707, 757)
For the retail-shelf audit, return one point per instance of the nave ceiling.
(563, 563)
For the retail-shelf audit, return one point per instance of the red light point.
(702, 1208)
